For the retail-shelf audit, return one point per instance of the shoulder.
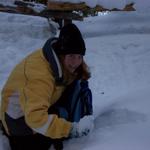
(36, 65)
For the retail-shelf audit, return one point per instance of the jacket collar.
(53, 60)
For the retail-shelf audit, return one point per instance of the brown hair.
(83, 71)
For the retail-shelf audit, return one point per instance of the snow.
(118, 53)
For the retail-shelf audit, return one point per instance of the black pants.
(34, 142)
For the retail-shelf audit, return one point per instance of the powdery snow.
(118, 53)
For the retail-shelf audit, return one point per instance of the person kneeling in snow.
(46, 98)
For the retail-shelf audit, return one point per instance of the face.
(72, 62)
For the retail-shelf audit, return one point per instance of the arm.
(38, 92)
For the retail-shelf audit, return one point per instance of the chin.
(72, 71)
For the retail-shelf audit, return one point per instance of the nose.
(76, 61)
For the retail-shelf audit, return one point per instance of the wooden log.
(100, 8)
(23, 4)
(8, 10)
(129, 7)
(66, 6)
(61, 15)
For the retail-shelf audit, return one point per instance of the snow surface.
(118, 53)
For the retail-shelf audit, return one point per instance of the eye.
(80, 57)
(74, 56)
(70, 55)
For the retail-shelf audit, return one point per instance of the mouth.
(72, 69)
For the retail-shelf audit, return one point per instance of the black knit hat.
(70, 41)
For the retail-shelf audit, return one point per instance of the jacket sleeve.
(38, 92)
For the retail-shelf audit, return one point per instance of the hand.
(83, 127)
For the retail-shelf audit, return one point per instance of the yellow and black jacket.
(26, 97)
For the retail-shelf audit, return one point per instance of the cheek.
(66, 64)
(80, 62)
